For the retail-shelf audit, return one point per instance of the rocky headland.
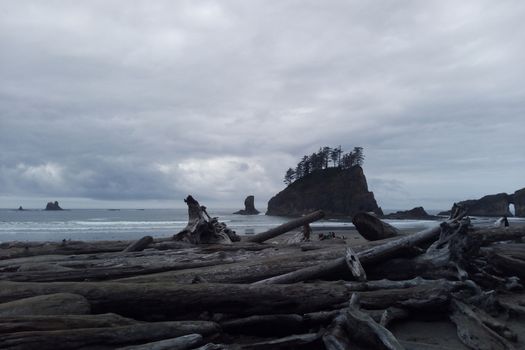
(495, 205)
(249, 207)
(336, 191)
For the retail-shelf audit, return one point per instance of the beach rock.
(53, 206)
(372, 228)
(336, 191)
(417, 213)
(249, 207)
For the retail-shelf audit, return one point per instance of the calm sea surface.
(102, 224)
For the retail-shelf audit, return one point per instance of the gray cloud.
(108, 101)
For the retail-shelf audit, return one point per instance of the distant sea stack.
(249, 207)
(20, 208)
(495, 205)
(417, 213)
(53, 206)
(336, 191)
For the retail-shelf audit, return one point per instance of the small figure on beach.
(502, 222)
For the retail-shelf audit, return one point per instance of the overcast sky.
(139, 103)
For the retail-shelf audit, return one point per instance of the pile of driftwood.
(208, 289)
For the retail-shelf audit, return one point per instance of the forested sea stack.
(339, 190)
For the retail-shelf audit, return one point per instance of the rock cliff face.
(53, 206)
(249, 207)
(491, 205)
(496, 204)
(519, 202)
(336, 191)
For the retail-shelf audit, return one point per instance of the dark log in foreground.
(53, 304)
(203, 229)
(372, 228)
(353, 325)
(286, 227)
(107, 336)
(177, 301)
(189, 341)
(266, 325)
(509, 258)
(20, 323)
(513, 304)
(490, 235)
(473, 332)
(296, 341)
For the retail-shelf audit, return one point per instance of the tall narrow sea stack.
(336, 191)
(249, 207)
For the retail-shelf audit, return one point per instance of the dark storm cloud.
(154, 100)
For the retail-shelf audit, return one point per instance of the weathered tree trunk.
(509, 258)
(286, 227)
(357, 326)
(12, 250)
(266, 325)
(53, 304)
(473, 332)
(247, 271)
(183, 301)
(185, 342)
(107, 336)
(19, 323)
(202, 229)
(490, 235)
(372, 228)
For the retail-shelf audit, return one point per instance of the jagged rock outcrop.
(491, 205)
(495, 205)
(417, 213)
(518, 199)
(249, 207)
(53, 206)
(338, 192)
(20, 208)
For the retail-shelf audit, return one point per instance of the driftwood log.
(108, 336)
(202, 228)
(176, 301)
(354, 326)
(286, 227)
(176, 294)
(367, 258)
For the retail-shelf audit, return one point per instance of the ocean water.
(107, 224)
